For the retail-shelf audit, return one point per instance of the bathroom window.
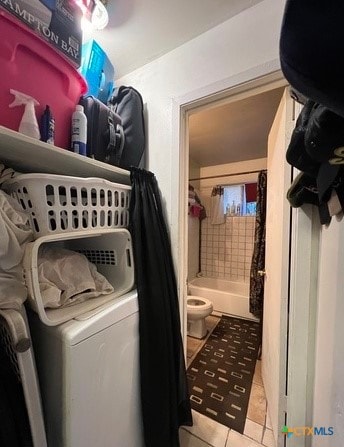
(240, 200)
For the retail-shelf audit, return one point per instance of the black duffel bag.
(105, 136)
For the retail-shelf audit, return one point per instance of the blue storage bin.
(97, 70)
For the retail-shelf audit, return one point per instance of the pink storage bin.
(31, 66)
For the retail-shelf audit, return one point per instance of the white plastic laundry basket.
(60, 204)
(109, 250)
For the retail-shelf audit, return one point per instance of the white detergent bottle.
(28, 124)
(79, 131)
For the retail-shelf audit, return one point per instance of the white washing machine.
(89, 376)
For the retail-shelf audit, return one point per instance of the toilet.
(198, 309)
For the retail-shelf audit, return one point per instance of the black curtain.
(258, 257)
(164, 392)
(14, 427)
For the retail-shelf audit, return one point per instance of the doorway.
(235, 95)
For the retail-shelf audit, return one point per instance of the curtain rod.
(226, 175)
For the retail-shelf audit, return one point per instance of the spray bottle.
(28, 125)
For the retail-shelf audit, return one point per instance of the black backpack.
(128, 104)
(105, 137)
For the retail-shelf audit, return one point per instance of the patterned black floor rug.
(220, 376)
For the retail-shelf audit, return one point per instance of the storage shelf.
(25, 154)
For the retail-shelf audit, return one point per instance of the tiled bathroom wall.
(226, 249)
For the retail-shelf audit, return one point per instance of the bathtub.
(228, 297)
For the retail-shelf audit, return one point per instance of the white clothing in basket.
(67, 277)
(6, 173)
(15, 233)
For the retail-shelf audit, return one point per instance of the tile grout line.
(197, 437)
(227, 437)
(248, 436)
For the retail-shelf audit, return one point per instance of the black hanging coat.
(311, 50)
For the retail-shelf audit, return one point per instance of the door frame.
(303, 296)
(227, 91)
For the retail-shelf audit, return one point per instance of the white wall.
(240, 49)
(329, 368)
(194, 173)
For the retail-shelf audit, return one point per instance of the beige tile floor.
(208, 433)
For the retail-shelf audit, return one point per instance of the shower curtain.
(164, 393)
(258, 257)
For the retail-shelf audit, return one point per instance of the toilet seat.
(198, 304)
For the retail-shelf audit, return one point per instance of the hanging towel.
(15, 234)
(196, 209)
(67, 277)
(164, 391)
(217, 206)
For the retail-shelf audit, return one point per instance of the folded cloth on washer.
(15, 233)
(67, 277)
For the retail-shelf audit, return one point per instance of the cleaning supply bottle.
(79, 130)
(233, 209)
(47, 126)
(28, 124)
